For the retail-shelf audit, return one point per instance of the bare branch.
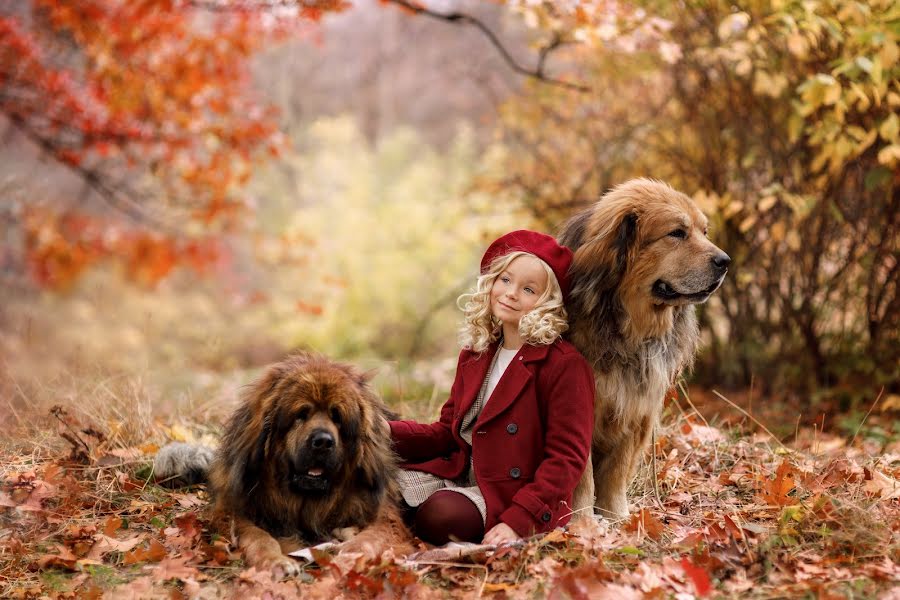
(465, 19)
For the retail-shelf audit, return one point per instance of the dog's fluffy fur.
(642, 260)
(306, 457)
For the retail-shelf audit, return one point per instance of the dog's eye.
(335, 416)
(681, 234)
(304, 413)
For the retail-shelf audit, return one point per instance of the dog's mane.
(598, 319)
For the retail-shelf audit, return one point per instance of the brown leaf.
(154, 552)
(111, 526)
(175, 568)
(774, 492)
(105, 544)
(645, 522)
(63, 559)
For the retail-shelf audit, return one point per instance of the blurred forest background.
(190, 189)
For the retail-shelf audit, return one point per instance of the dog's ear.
(247, 435)
(601, 260)
(572, 233)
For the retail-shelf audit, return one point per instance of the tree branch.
(93, 178)
(458, 18)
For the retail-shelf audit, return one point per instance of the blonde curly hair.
(543, 325)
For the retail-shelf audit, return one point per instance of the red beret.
(545, 247)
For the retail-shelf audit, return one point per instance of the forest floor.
(736, 513)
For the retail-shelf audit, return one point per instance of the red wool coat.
(530, 442)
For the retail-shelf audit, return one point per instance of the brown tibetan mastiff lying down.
(306, 457)
(642, 260)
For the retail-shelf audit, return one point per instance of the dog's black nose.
(721, 261)
(321, 440)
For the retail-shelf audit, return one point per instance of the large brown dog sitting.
(642, 260)
(306, 457)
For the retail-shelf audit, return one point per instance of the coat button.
(515, 472)
(512, 428)
(545, 517)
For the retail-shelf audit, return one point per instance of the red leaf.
(698, 576)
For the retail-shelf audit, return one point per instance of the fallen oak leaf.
(154, 552)
(645, 522)
(775, 492)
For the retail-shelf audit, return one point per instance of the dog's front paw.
(283, 567)
(344, 534)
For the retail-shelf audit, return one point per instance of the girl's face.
(517, 289)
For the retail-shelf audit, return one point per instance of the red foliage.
(142, 90)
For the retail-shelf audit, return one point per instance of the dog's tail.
(179, 464)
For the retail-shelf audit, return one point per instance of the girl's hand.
(499, 534)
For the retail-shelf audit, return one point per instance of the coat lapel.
(517, 375)
(473, 373)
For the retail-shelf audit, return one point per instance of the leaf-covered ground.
(736, 514)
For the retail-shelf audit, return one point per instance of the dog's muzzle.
(312, 470)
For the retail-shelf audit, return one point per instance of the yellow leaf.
(180, 433)
(832, 94)
(891, 403)
(767, 203)
(889, 128)
(733, 208)
(863, 103)
(867, 141)
(889, 54)
(776, 231)
(889, 155)
(797, 45)
(793, 240)
(747, 223)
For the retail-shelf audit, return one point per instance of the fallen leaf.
(154, 552)
(774, 492)
(645, 522)
(698, 576)
(879, 484)
(174, 568)
(103, 545)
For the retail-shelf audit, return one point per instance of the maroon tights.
(448, 516)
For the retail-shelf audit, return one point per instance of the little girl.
(513, 439)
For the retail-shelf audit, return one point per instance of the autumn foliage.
(149, 103)
(780, 119)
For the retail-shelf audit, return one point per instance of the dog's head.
(645, 246)
(308, 426)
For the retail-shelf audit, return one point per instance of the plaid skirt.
(416, 487)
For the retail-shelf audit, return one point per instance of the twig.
(867, 416)
(465, 19)
(653, 468)
(688, 398)
(752, 418)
